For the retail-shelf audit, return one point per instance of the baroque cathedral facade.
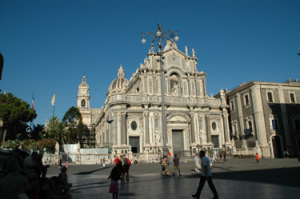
(130, 120)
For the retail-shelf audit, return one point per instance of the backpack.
(119, 162)
(127, 162)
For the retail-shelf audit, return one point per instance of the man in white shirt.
(197, 163)
(205, 175)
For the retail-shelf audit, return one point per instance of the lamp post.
(160, 38)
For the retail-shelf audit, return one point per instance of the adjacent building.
(265, 118)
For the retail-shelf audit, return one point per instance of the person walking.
(197, 162)
(176, 165)
(205, 175)
(67, 164)
(59, 163)
(104, 162)
(127, 164)
(114, 185)
(257, 158)
(224, 158)
(210, 160)
(221, 161)
(164, 165)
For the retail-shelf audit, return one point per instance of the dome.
(119, 83)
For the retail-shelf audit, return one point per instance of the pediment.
(178, 117)
(174, 53)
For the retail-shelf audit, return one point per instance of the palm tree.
(55, 129)
(36, 131)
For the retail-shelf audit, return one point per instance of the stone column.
(208, 130)
(146, 120)
(226, 127)
(285, 119)
(224, 107)
(204, 88)
(145, 82)
(119, 128)
(189, 85)
(193, 127)
(259, 119)
(201, 88)
(124, 129)
(241, 118)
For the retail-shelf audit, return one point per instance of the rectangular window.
(150, 86)
(275, 124)
(270, 97)
(185, 88)
(250, 124)
(292, 98)
(246, 100)
(193, 88)
(297, 124)
(235, 129)
(232, 105)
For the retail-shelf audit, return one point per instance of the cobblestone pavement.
(239, 178)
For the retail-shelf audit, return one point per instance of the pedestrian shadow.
(88, 184)
(281, 176)
(92, 171)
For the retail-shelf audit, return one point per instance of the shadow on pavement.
(91, 172)
(283, 176)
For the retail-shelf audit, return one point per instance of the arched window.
(83, 103)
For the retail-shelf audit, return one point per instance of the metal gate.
(177, 139)
(135, 144)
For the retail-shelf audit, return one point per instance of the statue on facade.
(175, 90)
(157, 136)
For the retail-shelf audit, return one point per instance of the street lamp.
(160, 38)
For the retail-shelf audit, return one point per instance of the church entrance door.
(277, 147)
(177, 139)
(135, 144)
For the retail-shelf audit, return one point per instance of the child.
(257, 158)
(104, 162)
(63, 180)
(114, 186)
(67, 164)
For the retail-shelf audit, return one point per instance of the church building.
(130, 120)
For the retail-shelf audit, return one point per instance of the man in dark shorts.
(126, 166)
(176, 165)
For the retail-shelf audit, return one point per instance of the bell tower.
(83, 101)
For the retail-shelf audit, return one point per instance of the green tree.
(15, 113)
(55, 129)
(73, 121)
(36, 131)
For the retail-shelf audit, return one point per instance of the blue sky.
(49, 45)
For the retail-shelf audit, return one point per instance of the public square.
(239, 178)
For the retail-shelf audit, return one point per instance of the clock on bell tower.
(83, 97)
